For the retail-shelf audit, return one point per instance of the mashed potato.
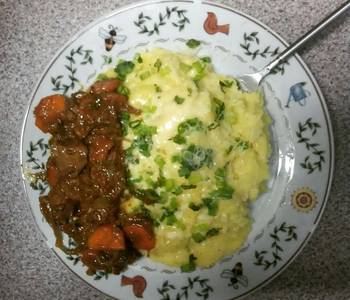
(199, 151)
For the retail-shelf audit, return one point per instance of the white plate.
(301, 164)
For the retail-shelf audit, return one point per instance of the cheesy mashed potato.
(196, 155)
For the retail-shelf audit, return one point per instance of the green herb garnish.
(200, 236)
(145, 75)
(177, 190)
(229, 149)
(159, 161)
(221, 182)
(220, 175)
(147, 195)
(169, 213)
(192, 43)
(157, 88)
(212, 205)
(191, 265)
(158, 64)
(223, 190)
(143, 129)
(225, 84)
(124, 119)
(213, 232)
(170, 220)
(242, 145)
(132, 181)
(193, 158)
(198, 70)
(169, 184)
(135, 123)
(124, 68)
(189, 90)
(193, 124)
(122, 89)
(219, 113)
(179, 139)
(138, 58)
(143, 144)
(129, 156)
(239, 145)
(188, 186)
(102, 76)
(143, 141)
(173, 205)
(195, 207)
(179, 100)
(186, 127)
(206, 59)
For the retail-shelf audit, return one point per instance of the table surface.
(30, 34)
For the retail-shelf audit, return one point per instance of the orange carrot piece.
(99, 149)
(108, 85)
(107, 237)
(141, 235)
(48, 111)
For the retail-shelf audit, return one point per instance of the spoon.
(250, 82)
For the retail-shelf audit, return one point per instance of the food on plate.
(87, 177)
(160, 156)
(197, 156)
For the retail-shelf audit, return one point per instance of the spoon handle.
(306, 37)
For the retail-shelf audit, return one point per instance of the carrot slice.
(99, 149)
(141, 235)
(108, 85)
(107, 237)
(48, 111)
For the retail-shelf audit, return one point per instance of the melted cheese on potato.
(197, 211)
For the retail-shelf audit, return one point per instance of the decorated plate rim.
(306, 69)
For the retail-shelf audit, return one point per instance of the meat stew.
(87, 177)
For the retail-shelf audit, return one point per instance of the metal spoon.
(250, 82)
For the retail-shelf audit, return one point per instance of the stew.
(87, 176)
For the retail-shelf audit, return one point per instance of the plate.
(301, 163)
